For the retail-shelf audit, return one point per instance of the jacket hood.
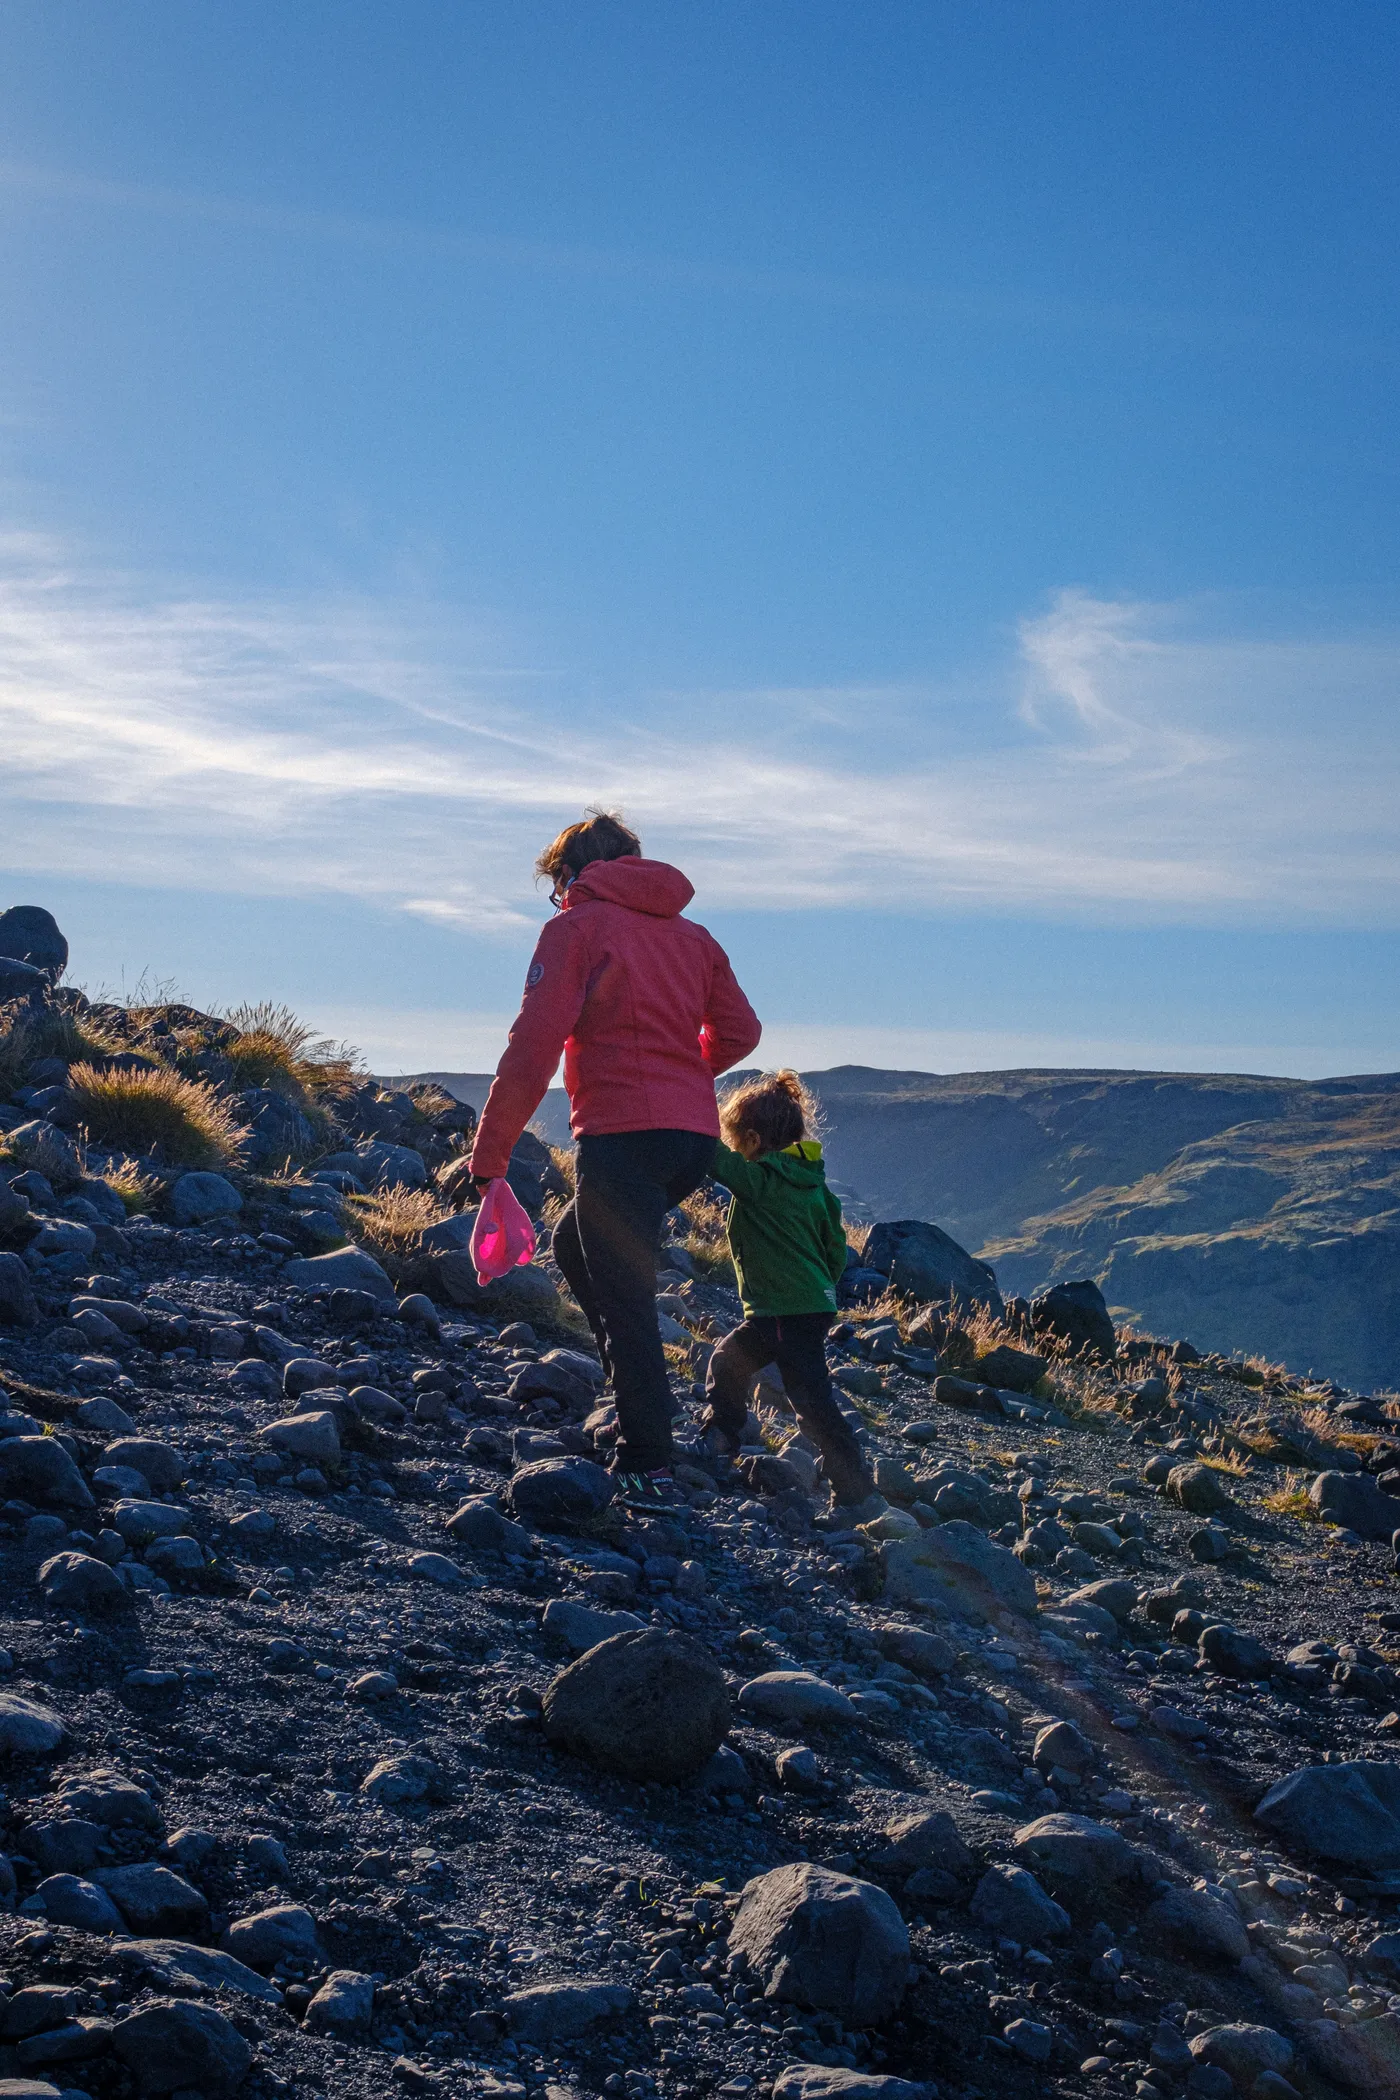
(801, 1164)
(641, 885)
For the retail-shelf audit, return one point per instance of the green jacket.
(785, 1230)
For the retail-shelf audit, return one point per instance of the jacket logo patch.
(533, 975)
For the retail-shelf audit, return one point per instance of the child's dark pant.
(796, 1343)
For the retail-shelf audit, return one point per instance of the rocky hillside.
(353, 1739)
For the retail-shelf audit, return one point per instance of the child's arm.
(834, 1239)
(739, 1175)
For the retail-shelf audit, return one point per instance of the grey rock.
(37, 2006)
(65, 1845)
(928, 1838)
(1181, 1727)
(1061, 1743)
(927, 1655)
(312, 1436)
(1242, 2050)
(28, 1729)
(181, 1968)
(123, 1481)
(1030, 2039)
(196, 1198)
(343, 2007)
(956, 1566)
(307, 1374)
(72, 2043)
(140, 1522)
(1198, 1488)
(346, 1268)
(1077, 1313)
(923, 1261)
(480, 1527)
(29, 934)
(578, 1627)
(175, 1557)
(825, 1941)
(820, 2082)
(648, 1705)
(560, 2012)
(436, 1567)
(1364, 2058)
(1234, 1654)
(1112, 1594)
(395, 1781)
(37, 1468)
(252, 1379)
(1073, 1852)
(254, 1527)
(1200, 1920)
(1010, 1901)
(1345, 1813)
(283, 1932)
(57, 1237)
(560, 1491)
(78, 1582)
(155, 1901)
(174, 2045)
(161, 1464)
(418, 1310)
(1354, 1501)
(18, 1307)
(69, 1900)
(105, 1798)
(797, 1699)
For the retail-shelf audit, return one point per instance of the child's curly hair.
(776, 1108)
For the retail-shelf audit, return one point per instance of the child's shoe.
(646, 1493)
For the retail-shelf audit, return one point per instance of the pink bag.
(503, 1237)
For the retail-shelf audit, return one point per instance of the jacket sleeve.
(742, 1177)
(834, 1239)
(556, 985)
(731, 1028)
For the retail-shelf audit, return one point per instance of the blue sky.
(934, 467)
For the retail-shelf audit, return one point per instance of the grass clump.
(389, 1223)
(272, 1048)
(705, 1237)
(138, 1191)
(159, 1114)
(1291, 1500)
(26, 1036)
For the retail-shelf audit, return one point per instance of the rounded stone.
(648, 1705)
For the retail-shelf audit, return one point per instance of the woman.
(646, 1010)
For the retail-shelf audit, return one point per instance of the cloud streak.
(1123, 766)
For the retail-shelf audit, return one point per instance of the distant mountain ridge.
(1246, 1212)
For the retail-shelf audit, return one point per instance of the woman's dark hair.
(602, 835)
(776, 1109)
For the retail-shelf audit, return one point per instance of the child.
(789, 1248)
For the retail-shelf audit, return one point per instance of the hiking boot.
(646, 1493)
(721, 1448)
(845, 1516)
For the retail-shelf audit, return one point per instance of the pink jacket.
(643, 1004)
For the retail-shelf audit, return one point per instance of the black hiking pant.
(796, 1343)
(606, 1244)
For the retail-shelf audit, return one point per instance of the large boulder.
(825, 1941)
(561, 2012)
(1354, 1501)
(313, 1436)
(29, 934)
(38, 1468)
(579, 1627)
(343, 2007)
(1245, 2051)
(957, 1566)
(820, 2082)
(797, 1699)
(554, 1492)
(28, 1729)
(1198, 1488)
(18, 1307)
(1011, 1902)
(175, 2045)
(69, 1900)
(1073, 1853)
(79, 1582)
(1348, 1814)
(155, 1901)
(197, 1198)
(923, 1261)
(1364, 2058)
(287, 1931)
(1077, 1313)
(1203, 1920)
(346, 1269)
(648, 1705)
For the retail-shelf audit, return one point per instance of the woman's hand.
(459, 1186)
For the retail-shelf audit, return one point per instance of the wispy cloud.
(1124, 765)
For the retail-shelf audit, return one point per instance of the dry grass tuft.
(137, 1190)
(180, 1122)
(1291, 1500)
(705, 1239)
(272, 1048)
(1226, 1462)
(25, 1037)
(390, 1222)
